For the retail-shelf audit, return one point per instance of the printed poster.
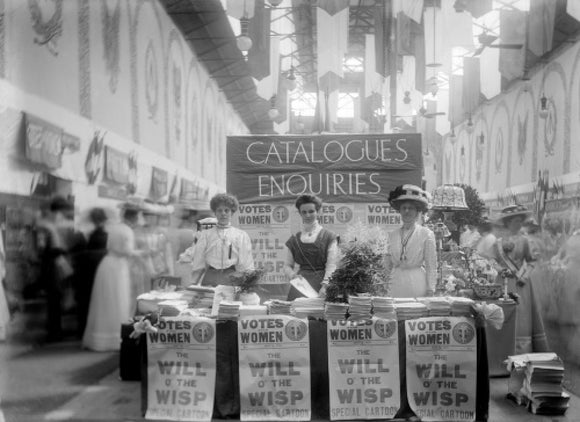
(274, 355)
(442, 368)
(363, 369)
(181, 369)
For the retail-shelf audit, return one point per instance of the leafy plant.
(361, 268)
(247, 281)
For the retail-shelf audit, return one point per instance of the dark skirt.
(213, 276)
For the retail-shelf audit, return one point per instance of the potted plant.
(361, 268)
(247, 285)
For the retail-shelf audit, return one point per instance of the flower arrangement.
(466, 269)
(247, 281)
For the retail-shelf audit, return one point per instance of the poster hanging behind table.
(363, 369)
(274, 356)
(181, 369)
(353, 174)
(442, 368)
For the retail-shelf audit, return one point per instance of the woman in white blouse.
(412, 258)
(222, 249)
(312, 252)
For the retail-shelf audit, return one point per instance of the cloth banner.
(540, 28)
(442, 368)
(471, 84)
(181, 371)
(274, 356)
(338, 168)
(44, 142)
(363, 369)
(512, 31)
(116, 166)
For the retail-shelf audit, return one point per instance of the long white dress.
(413, 270)
(111, 302)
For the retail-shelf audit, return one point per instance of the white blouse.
(221, 248)
(420, 251)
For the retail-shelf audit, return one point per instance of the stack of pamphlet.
(199, 296)
(384, 307)
(437, 305)
(410, 310)
(229, 309)
(461, 306)
(172, 307)
(279, 307)
(308, 307)
(536, 381)
(335, 310)
(359, 307)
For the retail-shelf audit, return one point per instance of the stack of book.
(229, 309)
(410, 310)
(199, 296)
(536, 381)
(461, 306)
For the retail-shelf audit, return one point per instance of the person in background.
(312, 252)
(182, 236)
(469, 236)
(513, 254)
(486, 242)
(222, 249)
(112, 302)
(57, 240)
(411, 259)
(90, 259)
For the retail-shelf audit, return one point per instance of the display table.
(227, 398)
(501, 343)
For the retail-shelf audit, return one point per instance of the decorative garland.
(50, 30)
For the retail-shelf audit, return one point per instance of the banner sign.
(274, 356)
(338, 168)
(44, 142)
(363, 369)
(181, 369)
(116, 166)
(159, 184)
(442, 368)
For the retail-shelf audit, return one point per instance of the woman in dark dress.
(96, 249)
(312, 252)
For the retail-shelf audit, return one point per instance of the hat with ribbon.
(512, 211)
(412, 193)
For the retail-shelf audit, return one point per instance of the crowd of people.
(102, 272)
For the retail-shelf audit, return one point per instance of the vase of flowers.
(247, 284)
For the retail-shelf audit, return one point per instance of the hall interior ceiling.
(212, 32)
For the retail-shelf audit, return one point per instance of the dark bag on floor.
(130, 356)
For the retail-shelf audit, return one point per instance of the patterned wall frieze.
(84, 59)
(111, 20)
(2, 39)
(46, 25)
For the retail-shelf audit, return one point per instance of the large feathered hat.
(512, 211)
(409, 193)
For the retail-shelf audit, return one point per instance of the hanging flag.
(471, 85)
(490, 80)
(332, 7)
(412, 8)
(332, 44)
(512, 31)
(259, 32)
(405, 45)
(456, 113)
(268, 86)
(476, 8)
(240, 8)
(418, 33)
(456, 29)
(372, 98)
(382, 39)
(540, 30)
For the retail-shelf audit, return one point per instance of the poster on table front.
(181, 369)
(363, 369)
(442, 368)
(274, 359)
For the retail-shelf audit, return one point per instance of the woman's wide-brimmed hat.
(408, 192)
(512, 211)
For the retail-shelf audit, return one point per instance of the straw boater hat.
(512, 211)
(409, 193)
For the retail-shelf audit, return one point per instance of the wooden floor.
(113, 399)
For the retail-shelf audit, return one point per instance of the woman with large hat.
(412, 256)
(513, 253)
